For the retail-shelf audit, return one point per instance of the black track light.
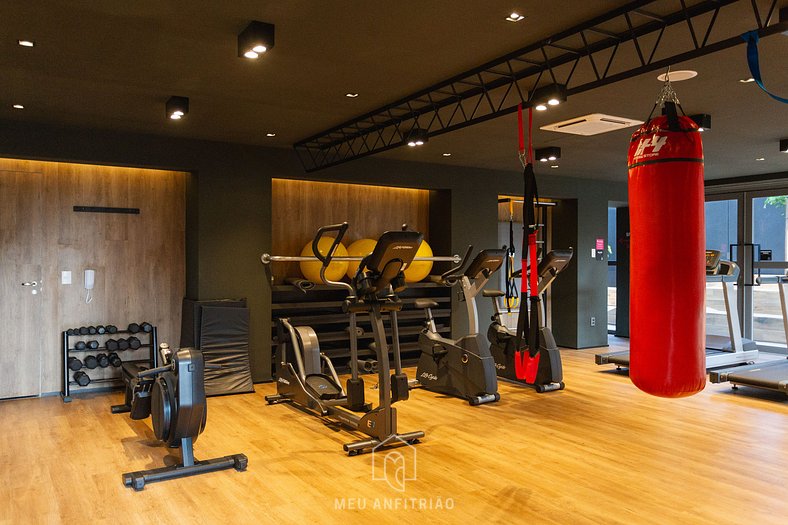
(256, 39)
(177, 107)
(547, 154)
(546, 96)
(784, 145)
(417, 137)
(703, 120)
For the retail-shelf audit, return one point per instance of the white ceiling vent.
(593, 124)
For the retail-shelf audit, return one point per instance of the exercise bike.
(461, 367)
(372, 291)
(174, 396)
(544, 372)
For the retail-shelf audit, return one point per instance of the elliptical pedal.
(323, 387)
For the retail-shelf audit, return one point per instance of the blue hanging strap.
(752, 38)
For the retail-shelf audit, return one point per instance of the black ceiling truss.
(617, 45)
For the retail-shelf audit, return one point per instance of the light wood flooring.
(598, 452)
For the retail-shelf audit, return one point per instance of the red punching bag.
(667, 257)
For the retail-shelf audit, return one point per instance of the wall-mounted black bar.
(106, 209)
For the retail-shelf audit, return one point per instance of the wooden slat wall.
(139, 259)
(299, 208)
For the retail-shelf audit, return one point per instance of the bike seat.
(425, 303)
(492, 293)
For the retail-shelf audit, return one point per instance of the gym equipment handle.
(340, 229)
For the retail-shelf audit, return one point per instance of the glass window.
(721, 226)
(769, 225)
(611, 269)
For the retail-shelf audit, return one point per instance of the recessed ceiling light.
(514, 17)
(177, 107)
(540, 107)
(259, 49)
(760, 158)
(447, 154)
(251, 54)
(270, 134)
(554, 166)
(677, 76)
(746, 80)
(351, 95)
(26, 43)
(18, 106)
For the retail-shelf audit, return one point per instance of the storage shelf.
(66, 349)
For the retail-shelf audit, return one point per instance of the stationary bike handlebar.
(340, 229)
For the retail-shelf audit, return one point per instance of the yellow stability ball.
(360, 248)
(418, 270)
(311, 270)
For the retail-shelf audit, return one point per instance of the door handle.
(30, 283)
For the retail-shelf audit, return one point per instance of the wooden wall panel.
(139, 259)
(299, 208)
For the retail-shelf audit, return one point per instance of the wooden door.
(21, 274)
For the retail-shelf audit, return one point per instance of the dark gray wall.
(229, 214)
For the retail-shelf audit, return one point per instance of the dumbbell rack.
(117, 380)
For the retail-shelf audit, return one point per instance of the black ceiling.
(113, 65)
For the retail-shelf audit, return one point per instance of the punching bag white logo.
(656, 142)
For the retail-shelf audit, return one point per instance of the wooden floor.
(598, 452)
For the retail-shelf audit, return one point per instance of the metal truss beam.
(617, 45)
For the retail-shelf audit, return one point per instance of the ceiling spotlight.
(746, 80)
(256, 39)
(760, 158)
(351, 95)
(515, 17)
(703, 120)
(544, 154)
(417, 137)
(784, 145)
(18, 106)
(26, 43)
(177, 107)
(550, 95)
(447, 154)
(270, 134)
(677, 76)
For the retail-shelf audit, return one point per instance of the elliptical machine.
(372, 291)
(546, 373)
(174, 395)
(463, 367)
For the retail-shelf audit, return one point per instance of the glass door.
(765, 257)
(751, 229)
(722, 233)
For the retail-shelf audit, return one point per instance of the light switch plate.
(593, 253)
(65, 277)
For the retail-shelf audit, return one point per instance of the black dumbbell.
(134, 343)
(80, 345)
(112, 345)
(74, 363)
(93, 344)
(114, 360)
(92, 330)
(112, 329)
(123, 344)
(70, 331)
(101, 329)
(134, 328)
(82, 378)
(83, 330)
(91, 361)
(103, 360)
(146, 327)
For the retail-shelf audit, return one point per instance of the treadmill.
(771, 375)
(721, 351)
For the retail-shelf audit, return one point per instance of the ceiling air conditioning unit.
(592, 124)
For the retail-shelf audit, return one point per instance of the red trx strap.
(526, 363)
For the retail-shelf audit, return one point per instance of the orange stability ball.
(360, 248)
(418, 270)
(311, 270)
